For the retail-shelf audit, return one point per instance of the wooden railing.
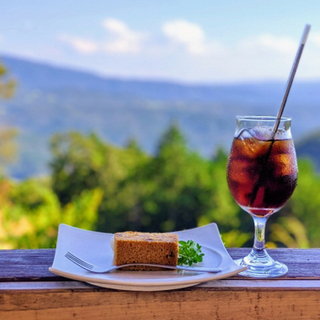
(29, 291)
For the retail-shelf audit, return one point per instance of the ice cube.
(261, 133)
(283, 146)
(284, 164)
(239, 171)
(251, 146)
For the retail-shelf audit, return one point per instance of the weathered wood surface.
(25, 265)
(29, 291)
(194, 303)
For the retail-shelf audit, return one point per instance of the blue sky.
(184, 41)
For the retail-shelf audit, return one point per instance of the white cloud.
(120, 39)
(314, 38)
(270, 43)
(82, 45)
(124, 40)
(187, 34)
(280, 44)
(187, 54)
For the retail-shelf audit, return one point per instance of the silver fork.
(97, 269)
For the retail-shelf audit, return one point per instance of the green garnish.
(189, 253)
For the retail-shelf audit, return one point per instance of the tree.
(304, 204)
(175, 189)
(84, 163)
(31, 213)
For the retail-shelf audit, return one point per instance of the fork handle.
(199, 269)
(187, 268)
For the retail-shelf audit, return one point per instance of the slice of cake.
(143, 247)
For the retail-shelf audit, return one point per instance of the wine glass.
(262, 175)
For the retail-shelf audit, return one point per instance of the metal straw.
(291, 77)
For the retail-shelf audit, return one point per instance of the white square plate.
(95, 247)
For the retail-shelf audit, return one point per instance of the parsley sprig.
(189, 253)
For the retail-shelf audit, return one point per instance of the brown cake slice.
(135, 247)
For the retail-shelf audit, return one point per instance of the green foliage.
(290, 232)
(305, 202)
(176, 189)
(31, 213)
(97, 186)
(84, 163)
(189, 253)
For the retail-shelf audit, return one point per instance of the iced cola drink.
(261, 173)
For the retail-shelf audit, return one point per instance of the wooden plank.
(25, 265)
(20, 265)
(264, 285)
(195, 303)
(286, 255)
(302, 263)
(227, 284)
(29, 291)
(49, 286)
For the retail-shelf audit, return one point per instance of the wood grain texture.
(195, 303)
(29, 291)
(23, 265)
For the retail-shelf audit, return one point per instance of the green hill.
(52, 99)
(309, 147)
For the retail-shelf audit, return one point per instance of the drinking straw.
(291, 77)
(284, 100)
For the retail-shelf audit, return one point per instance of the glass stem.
(259, 233)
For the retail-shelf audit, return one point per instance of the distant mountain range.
(52, 99)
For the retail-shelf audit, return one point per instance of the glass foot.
(261, 265)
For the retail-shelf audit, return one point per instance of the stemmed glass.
(262, 175)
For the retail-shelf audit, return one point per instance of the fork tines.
(78, 261)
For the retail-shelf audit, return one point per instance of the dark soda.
(261, 174)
